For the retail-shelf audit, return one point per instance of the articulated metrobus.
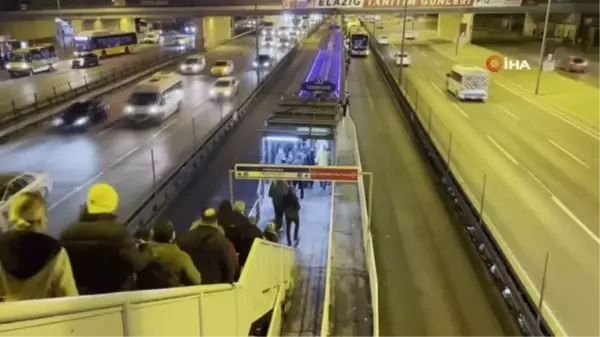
(358, 42)
(104, 43)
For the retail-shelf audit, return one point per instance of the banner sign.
(318, 85)
(338, 3)
(497, 3)
(295, 172)
(383, 4)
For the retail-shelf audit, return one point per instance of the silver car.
(574, 64)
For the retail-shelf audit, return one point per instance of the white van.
(468, 83)
(155, 99)
(32, 60)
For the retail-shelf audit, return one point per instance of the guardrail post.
(14, 107)
(194, 130)
(54, 89)
(221, 107)
(429, 122)
(69, 84)
(101, 76)
(482, 201)
(35, 99)
(449, 153)
(543, 290)
(153, 169)
(85, 82)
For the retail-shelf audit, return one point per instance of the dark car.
(262, 61)
(86, 61)
(83, 114)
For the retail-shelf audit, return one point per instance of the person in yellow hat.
(103, 253)
(33, 265)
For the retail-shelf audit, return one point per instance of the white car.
(225, 87)
(410, 35)
(222, 68)
(383, 40)
(402, 61)
(379, 25)
(11, 184)
(193, 64)
(151, 38)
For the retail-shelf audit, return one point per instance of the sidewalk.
(557, 93)
(352, 314)
(306, 305)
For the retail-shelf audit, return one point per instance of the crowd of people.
(98, 255)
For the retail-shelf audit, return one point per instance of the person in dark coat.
(103, 254)
(277, 191)
(33, 265)
(209, 249)
(271, 233)
(291, 207)
(246, 232)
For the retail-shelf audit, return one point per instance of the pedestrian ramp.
(207, 310)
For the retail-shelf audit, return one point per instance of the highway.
(120, 155)
(243, 146)
(429, 283)
(540, 161)
(21, 90)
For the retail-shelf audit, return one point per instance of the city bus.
(104, 43)
(358, 42)
(32, 60)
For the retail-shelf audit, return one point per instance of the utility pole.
(543, 48)
(404, 11)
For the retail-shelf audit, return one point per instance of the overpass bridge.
(183, 8)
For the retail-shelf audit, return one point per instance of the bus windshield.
(83, 46)
(143, 98)
(359, 42)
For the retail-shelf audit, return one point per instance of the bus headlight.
(128, 109)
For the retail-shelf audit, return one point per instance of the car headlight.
(24, 65)
(81, 121)
(213, 92)
(227, 92)
(80, 60)
(196, 67)
(255, 64)
(57, 121)
(9, 66)
(128, 109)
(182, 67)
(266, 64)
(153, 109)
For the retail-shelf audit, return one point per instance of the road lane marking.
(105, 130)
(576, 219)
(162, 129)
(508, 112)
(565, 151)
(437, 88)
(436, 62)
(74, 191)
(422, 74)
(539, 181)
(121, 158)
(557, 114)
(501, 149)
(512, 258)
(461, 111)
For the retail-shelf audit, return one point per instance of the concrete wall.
(215, 29)
(29, 30)
(125, 25)
(449, 25)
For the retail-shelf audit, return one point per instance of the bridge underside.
(192, 11)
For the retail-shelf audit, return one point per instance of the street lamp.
(543, 48)
(405, 10)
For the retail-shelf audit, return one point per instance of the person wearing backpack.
(169, 266)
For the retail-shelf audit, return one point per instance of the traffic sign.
(296, 172)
